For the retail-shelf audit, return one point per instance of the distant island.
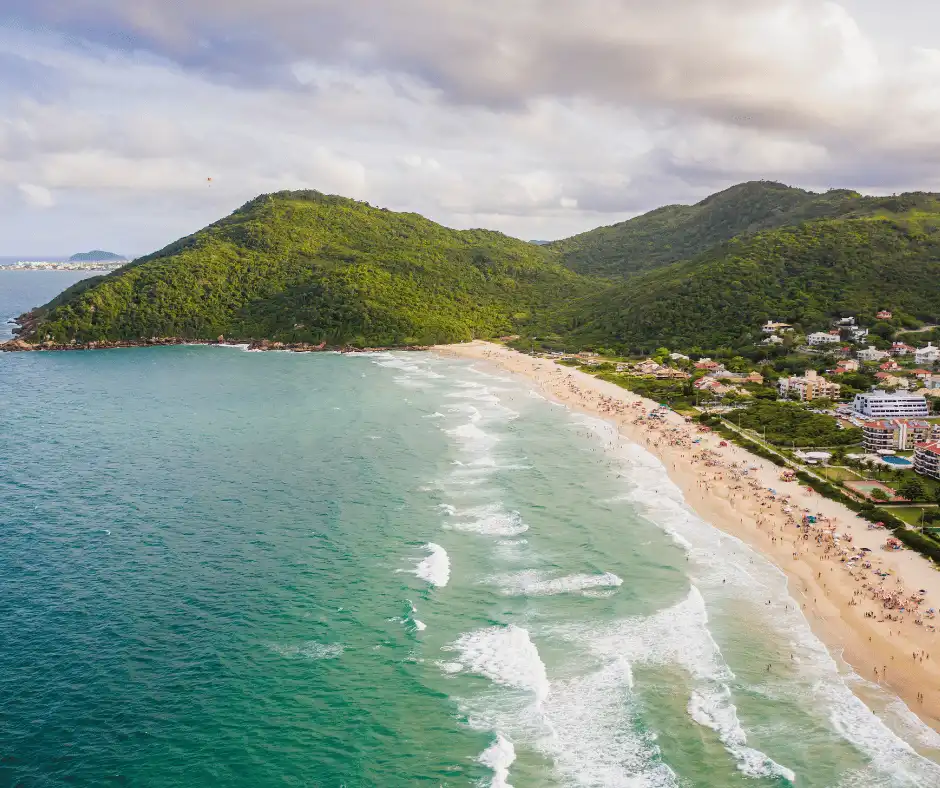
(96, 256)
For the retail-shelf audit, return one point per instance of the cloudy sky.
(540, 118)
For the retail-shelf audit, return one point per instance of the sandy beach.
(865, 605)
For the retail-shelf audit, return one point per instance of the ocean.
(250, 569)
(23, 290)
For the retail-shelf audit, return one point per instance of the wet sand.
(854, 611)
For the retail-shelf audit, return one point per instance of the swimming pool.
(899, 461)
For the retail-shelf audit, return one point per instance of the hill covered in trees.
(805, 274)
(678, 232)
(307, 267)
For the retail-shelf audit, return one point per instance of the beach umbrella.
(866, 549)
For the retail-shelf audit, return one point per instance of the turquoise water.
(899, 461)
(22, 290)
(264, 569)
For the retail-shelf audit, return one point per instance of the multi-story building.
(871, 353)
(927, 355)
(927, 459)
(880, 404)
(895, 434)
(809, 387)
(823, 338)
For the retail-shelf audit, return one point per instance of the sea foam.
(489, 520)
(499, 756)
(435, 569)
(535, 583)
(506, 656)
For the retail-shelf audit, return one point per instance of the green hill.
(307, 267)
(804, 275)
(679, 232)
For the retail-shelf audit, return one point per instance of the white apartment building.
(880, 404)
(927, 355)
(823, 338)
(927, 459)
(809, 387)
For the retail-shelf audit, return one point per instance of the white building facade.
(927, 355)
(884, 405)
(822, 338)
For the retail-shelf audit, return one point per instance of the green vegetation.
(805, 275)
(838, 474)
(678, 394)
(678, 232)
(789, 424)
(303, 266)
(307, 267)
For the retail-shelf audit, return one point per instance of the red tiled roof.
(932, 446)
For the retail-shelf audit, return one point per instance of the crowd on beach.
(880, 594)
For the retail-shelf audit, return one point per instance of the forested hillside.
(303, 266)
(678, 232)
(805, 274)
(307, 267)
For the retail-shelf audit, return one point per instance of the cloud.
(540, 117)
(36, 196)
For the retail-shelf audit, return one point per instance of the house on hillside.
(648, 367)
(819, 338)
(846, 365)
(771, 327)
(773, 339)
(884, 314)
(845, 322)
(678, 357)
(871, 353)
(889, 366)
(858, 334)
(901, 349)
(668, 373)
(708, 365)
(927, 355)
(891, 381)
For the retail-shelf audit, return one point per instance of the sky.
(540, 118)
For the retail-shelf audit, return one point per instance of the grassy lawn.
(837, 473)
(910, 514)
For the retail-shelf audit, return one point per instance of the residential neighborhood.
(856, 401)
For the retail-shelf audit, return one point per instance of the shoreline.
(17, 345)
(838, 601)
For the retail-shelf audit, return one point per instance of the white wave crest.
(506, 656)
(435, 569)
(499, 756)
